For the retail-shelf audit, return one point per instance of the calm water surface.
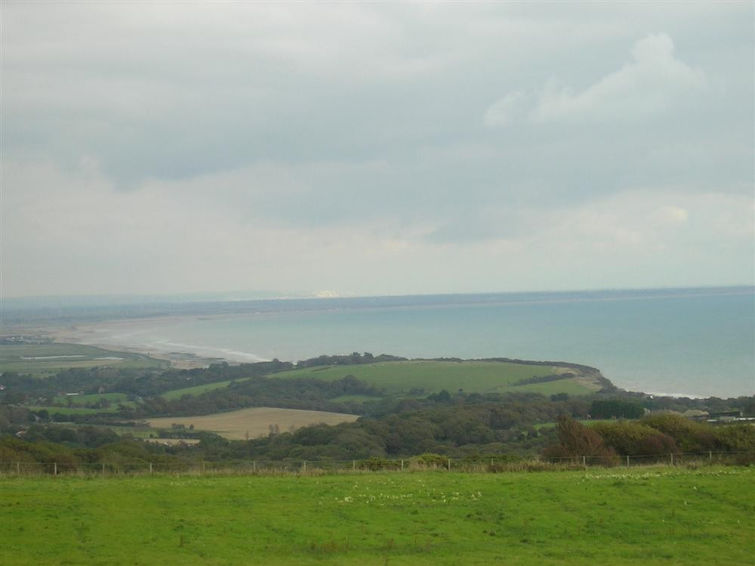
(691, 342)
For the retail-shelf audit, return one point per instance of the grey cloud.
(398, 129)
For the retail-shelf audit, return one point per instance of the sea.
(682, 342)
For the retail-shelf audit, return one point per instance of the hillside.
(421, 377)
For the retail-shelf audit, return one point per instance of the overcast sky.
(370, 149)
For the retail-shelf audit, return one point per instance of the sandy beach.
(123, 336)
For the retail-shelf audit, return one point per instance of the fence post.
(55, 468)
(710, 456)
(402, 465)
(18, 468)
(304, 466)
(627, 460)
(150, 468)
(584, 462)
(672, 458)
(449, 464)
(254, 466)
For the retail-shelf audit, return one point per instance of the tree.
(577, 440)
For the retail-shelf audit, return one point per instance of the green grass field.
(94, 398)
(423, 377)
(433, 376)
(73, 410)
(642, 516)
(197, 389)
(43, 360)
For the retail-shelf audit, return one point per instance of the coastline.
(112, 334)
(190, 357)
(696, 348)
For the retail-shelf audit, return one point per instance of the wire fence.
(488, 464)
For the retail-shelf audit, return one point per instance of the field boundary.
(482, 464)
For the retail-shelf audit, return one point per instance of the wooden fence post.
(55, 468)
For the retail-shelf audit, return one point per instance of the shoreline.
(162, 338)
(83, 334)
(100, 335)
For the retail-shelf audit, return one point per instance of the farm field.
(643, 516)
(253, 422)
(115, 398)
(68, 411)
(472, 376)
(197, 389)
(43, 360)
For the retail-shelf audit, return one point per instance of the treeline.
(22, 388)
(458, 426)
(454, 426)
(460, 432)
(19, 388)
(653, 436)
(351, 359)
(78, 448)
(299, 393)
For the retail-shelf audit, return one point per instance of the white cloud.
(506, 110)
(652, 82)
(670, 215)
(649, 84)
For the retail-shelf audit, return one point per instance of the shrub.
(690, 436)
(576, 440)
(635, 439)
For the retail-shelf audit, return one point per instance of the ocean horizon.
(697, 342)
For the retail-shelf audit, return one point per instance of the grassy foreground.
(612, 516)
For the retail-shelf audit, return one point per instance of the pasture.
(196, 389)
(253, 422)
(427, 376)
(643, 516)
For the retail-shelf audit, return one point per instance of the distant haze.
(336, 149)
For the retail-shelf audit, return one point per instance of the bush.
(429, 460)
(576, 441)
(690, 436)
(634, 439)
